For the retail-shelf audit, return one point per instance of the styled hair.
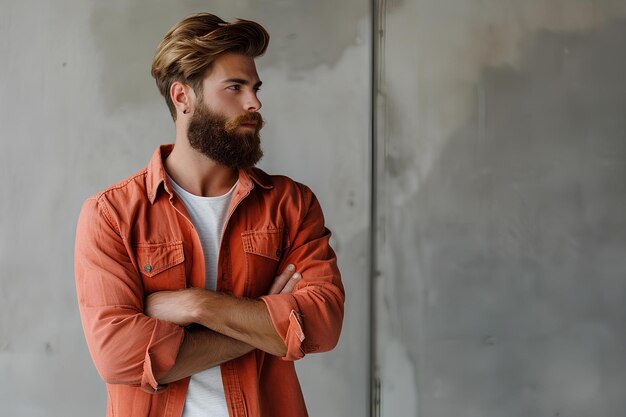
(190, 47)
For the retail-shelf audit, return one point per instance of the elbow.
(113, 366)
(135, 375)
(116, 362)
(114, 377)
(325, 344)
(133, 351)
(332, 342)
(112, 372)
(324, 336)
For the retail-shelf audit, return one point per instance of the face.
(225, 123)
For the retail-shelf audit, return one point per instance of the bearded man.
(201, 279)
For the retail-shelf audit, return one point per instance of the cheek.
(224, 102)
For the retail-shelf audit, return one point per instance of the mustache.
(246, 118)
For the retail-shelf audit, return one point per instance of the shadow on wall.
(520, 231)
(303, 35)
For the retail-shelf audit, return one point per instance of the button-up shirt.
(135, 238)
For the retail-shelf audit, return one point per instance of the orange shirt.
(135, 238)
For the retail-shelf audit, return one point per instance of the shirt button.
(279, 252)
(148, 268)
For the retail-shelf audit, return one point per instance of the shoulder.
(124, 191)
(283, 188)
(281, 184)
(123, 196)
(290, 195)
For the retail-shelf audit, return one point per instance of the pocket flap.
(265, 242)
(153, 258)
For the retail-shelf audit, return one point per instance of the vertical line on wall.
(377, 16)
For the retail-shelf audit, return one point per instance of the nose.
(252, 102)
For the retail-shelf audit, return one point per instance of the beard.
(216, 137)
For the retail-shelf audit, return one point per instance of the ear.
(183, 98)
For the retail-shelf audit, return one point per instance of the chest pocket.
(161, 265)
(264, 249)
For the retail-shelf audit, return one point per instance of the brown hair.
(190, 47)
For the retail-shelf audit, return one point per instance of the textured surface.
(502, 197)
(501, 191)
(80, 111)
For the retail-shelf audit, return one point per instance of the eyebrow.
(241, 81)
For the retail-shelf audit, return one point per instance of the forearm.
(202, 349)
(242, 319)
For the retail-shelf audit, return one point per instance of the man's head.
(189, 49)
(205, 70)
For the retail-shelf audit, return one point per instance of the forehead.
(231, 66)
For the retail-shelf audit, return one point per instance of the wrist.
(196, 304)
(205, 301)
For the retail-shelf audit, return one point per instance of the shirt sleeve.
(310, 318)
(127, 347)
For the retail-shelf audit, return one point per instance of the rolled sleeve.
(285, 317)
(161, 353)
(127, 347)
(310, 318)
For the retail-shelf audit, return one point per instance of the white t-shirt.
(205, 396)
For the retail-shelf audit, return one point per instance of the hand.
(177, 307)
(285, 282)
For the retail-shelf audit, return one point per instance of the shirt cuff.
(161, 353)
(287, 321)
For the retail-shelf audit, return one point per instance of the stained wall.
(501, 198)
(79, 111)
(499, 176)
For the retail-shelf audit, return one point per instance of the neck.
(196, 172)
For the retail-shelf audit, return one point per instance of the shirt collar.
(156, 175)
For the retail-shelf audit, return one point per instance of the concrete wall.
(80, 111)
(501, 179)
(502, 201)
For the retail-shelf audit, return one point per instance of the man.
(191, 263)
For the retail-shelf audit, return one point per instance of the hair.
(188, 50)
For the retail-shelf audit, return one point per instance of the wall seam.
(376, 37)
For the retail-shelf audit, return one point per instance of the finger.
(281, 280)
(289, 286)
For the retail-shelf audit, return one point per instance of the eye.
(257, 89)
(235, 87)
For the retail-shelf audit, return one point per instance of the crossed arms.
(140, 341)
(232, 326)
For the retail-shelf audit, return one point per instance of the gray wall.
(500, 191)
(80, 111)
(502, 208)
